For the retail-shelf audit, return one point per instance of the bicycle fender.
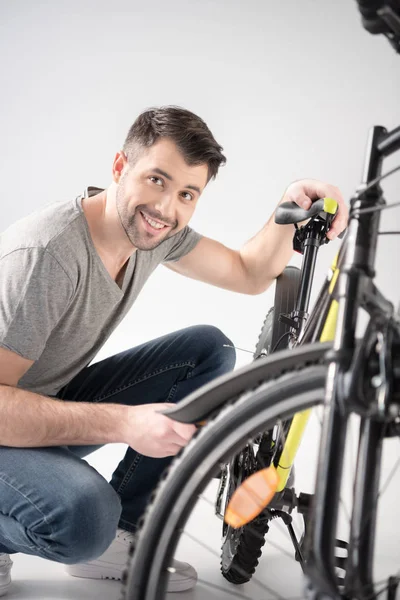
(208, 399)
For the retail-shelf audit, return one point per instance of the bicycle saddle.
(382, 16)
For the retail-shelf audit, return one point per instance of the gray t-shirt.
(58, 303)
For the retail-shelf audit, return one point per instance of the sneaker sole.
(181, 585)
(94, 572)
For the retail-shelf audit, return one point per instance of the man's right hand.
(149, 432)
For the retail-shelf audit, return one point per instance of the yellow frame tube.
(300, 420)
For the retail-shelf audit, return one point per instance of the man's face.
(156, 197)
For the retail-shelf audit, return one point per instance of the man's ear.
(119, 164)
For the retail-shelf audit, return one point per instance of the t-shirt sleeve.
(35, 291)
(184, 242)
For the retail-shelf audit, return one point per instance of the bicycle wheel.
(241, 549)
(274, 334)
(177, 518)
(255, 411)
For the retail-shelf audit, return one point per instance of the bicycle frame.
(321, 326)
(353, 288)
(334, 318)
(300, 318)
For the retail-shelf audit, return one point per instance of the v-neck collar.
(91, 191)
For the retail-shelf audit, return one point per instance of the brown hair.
(190, 133)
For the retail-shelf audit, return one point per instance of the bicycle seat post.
(314, 236)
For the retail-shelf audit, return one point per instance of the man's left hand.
(305, 191)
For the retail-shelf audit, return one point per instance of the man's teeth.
(153, 223)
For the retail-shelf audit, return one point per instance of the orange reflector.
(251, 497)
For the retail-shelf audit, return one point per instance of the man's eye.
(157, 179)
(187, 194)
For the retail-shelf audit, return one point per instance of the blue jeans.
(55, 505)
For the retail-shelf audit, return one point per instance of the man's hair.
(190, 134)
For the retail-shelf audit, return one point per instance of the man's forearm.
(32, 420)
(267, 254)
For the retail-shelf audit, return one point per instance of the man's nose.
(166, 206)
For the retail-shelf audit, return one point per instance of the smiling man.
(69, 273)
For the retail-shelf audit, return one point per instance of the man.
(69, 273)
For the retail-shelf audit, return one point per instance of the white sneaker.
(112, 563)
(5, 573)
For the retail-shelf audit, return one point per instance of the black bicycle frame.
(298, 319)
(314, 238)
(356, 262)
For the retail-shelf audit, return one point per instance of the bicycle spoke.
(345, 510)
(280, 548)
(206, 500)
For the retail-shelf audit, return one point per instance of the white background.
(288, 88)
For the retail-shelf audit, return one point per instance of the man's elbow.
(259, 288)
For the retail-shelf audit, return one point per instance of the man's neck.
(107, 233)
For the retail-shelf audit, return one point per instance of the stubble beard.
(138, 239)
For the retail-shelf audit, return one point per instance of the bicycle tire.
(254, 411)
(274, 334)
(241, 549)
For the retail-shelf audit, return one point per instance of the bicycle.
(281, 329)
(253, 419)
(272, 390)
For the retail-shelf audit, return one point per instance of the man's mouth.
(155, 224)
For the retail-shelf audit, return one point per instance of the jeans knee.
(217, 346)
(89, 526)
